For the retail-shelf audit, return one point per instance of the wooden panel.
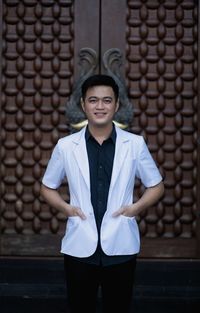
(86, 29)
(32, 245)
(113, 30)
(41, 43)
(37, 76)
(198, 149)
(162, 57)
(161, 247)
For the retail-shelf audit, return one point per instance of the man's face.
(100, 105)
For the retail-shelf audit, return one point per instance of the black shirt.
(101, 159)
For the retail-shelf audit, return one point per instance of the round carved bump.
(19, 118)
(55, 82)
(19, 207)
(56, 28)
(19, 189)
(178, 139)
(38, 28)
(20, 64)
(37, 82)
(143, 31)
(36, 207)
(56, 46)
(19, 154)
(56, 64)
(20, 46)
(160, 228)
(160, 157)
(20, 83)
(37, 136)
(38, 10)
(38, 64)
(19, 136)
(55, 101)
(54, 225)
(37, 171)
(143, 49)
(19, 225)
(37, 100)
(143, 103)
(161, 67)
(179, 67)
(161, 85)
(20, 10)
(20, 28)
(19, 172)
(178, 120)
(56, 10)
(55, 118)
(179, 85)
(143, 120)
(19, 100)
(143, 84)
(161, 13)
(161, 30)
(37, 226)
(179, 49)
(179, 31)
(161, 120)
(37, 118)
(38, 47)
(36, 188)
(143, 228)
(143, 67)
(54, 136)
(161, 49)
(143, 13)
(36, 157)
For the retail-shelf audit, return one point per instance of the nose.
(100, 104)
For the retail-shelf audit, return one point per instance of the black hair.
(99, 80)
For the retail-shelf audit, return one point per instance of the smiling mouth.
(100, 113)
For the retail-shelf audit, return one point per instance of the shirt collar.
(112, 136)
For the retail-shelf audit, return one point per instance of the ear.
(117, 105)
(82, 104)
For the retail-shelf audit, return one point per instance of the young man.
(100, 163)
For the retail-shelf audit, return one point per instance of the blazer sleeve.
(55, 171)
(147, 171)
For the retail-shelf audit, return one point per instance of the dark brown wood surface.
(40, 48)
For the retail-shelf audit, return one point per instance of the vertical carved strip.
(162, 77)
(37, 78)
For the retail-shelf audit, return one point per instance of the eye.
(107, 100)
(92, 100)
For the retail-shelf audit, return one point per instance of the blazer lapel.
(80, 155)
(121, 150)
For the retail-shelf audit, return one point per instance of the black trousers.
(83, 281)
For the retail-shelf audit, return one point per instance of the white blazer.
(118, 235)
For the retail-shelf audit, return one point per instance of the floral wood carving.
(112, 61)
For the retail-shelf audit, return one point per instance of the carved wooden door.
(40, 56)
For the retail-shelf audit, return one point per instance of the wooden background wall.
(40, 45)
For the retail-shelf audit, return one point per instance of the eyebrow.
(106, 97)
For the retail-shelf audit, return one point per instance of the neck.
(100, 133)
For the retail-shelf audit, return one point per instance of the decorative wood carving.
(37, 58)
(112, 61)
(162, 58)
